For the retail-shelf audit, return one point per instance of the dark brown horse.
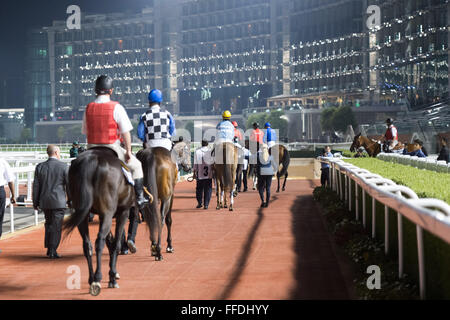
(225, 164)
(284, 160)
(160, 176)
(97, 185)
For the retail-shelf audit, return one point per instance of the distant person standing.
(443, 154)
(49, 194)
(74, 151)
(246, 156)
(6, 178)
(203, 173)
(325, 176)
(267, 169)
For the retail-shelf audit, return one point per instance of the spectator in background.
(417, 150)
(49, 194)
(246, 155)
(74, 150)
(443, 154)
(203, 174)
(6, 178)
(325, 176)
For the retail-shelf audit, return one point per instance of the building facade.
(211, 55)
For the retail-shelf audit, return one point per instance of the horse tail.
(285, 160)
(80, 185)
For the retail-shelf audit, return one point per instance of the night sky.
(17, 16)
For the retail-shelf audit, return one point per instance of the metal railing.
(430, 214)
(420, 163)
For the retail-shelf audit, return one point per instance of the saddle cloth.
(127, 174)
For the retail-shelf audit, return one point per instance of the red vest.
(100, 123)
(389, 135)
(237, 134)
(257, 135)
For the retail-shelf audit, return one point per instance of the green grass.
(427, 184)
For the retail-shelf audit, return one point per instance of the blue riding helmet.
(267, 125)
(155, 96)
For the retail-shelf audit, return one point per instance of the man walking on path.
(6, 178)
(203, 173)
(49, 194)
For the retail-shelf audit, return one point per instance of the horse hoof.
(113, 285)
(283, 189)
(235, 194)
(117, 276)
(278, 191)
(231, 209)
(217, 208)
(95, 289)
(225, 206)
(160, 258)
(169, 250)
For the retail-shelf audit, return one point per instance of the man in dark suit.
(49, 194)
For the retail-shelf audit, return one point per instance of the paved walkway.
(280, 252)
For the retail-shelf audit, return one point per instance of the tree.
(337, 119)
(326, 119)
(25, 135)
(259, 117)
(277, 123)
(342, 118)
(60, 133)
(189, 126)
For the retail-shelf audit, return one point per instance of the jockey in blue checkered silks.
(156, 126)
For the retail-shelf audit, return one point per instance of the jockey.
(225, 129)
(156, 127)
(391, 135)
(257, 135)
(104, 122)
(270, 137)
(237, 132)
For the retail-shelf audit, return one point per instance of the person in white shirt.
(6, 178)
(104, 123)
(203, 162)
(246, 154)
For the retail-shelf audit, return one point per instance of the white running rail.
(430, 214)
(421, 163)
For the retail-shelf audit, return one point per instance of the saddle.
(125, 169)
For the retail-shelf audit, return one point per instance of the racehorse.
(160, 176)
(372, 147)
(225, 165)
(284, 160)
(96, 184)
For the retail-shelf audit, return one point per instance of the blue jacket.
(141, 128)
(326, 165)
(225, 131)
(419, 153)
(270, 135)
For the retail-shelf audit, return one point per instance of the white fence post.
(356, 201)
(386, 229)
(373, 217)
(421, 257)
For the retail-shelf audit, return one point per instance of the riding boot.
(139, 189)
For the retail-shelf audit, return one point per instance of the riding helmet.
(255, 125)
(155, 96)
(267, 125)
(390, 121)
(103, 84)
(226, 115)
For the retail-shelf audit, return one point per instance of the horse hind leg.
(278, 181)
(232, 199)
(155, 227)
(83, 228)
(105, 228)
(114, 248)
(284, 183)
(169, 248)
